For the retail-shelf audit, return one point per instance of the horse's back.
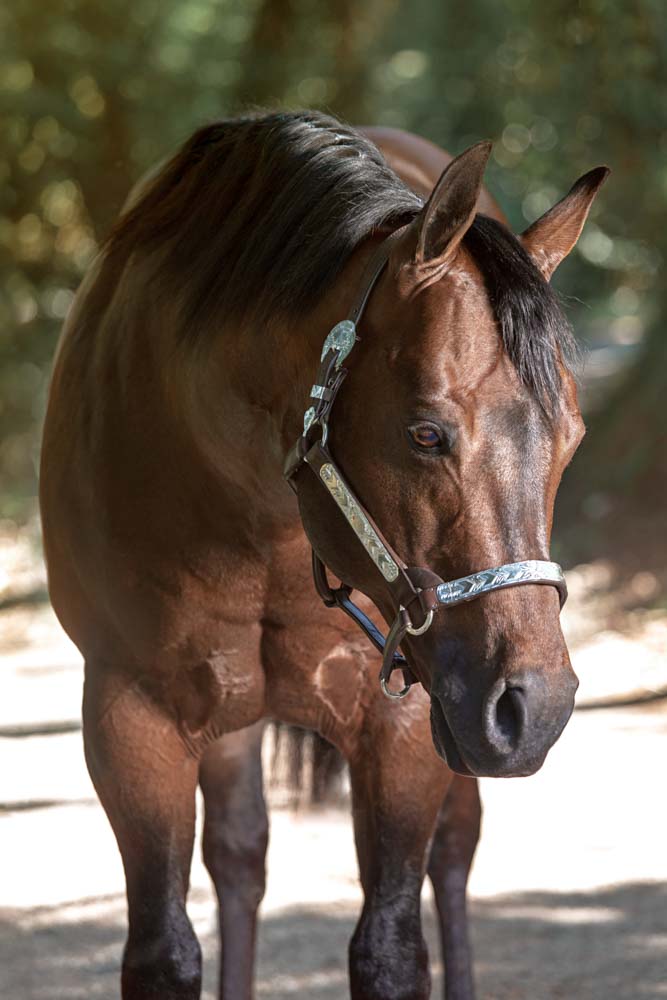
(419, 163)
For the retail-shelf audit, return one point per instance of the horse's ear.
(550, 239)
(449, 212)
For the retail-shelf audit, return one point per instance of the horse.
(190, 462)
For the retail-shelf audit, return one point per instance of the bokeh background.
(92, 94)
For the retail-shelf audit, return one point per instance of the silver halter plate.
(466, 588)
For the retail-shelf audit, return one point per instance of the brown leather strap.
(330, 376)
(374, 268)
(396, 635)
(413, 608)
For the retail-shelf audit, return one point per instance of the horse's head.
(453, 428)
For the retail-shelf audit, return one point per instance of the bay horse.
(178, 554)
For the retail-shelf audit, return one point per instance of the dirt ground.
(569, 887)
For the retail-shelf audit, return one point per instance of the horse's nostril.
(505, 717)
(510, 715)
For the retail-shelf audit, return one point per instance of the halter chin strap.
(417, 593)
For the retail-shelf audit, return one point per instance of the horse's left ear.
(449, 212)
(550, 239)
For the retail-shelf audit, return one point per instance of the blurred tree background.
(92, 94)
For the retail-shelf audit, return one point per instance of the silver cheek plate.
(358, 521)
(467, 588)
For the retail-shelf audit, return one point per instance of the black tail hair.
(311, 767)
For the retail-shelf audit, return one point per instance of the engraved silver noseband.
(416, 604)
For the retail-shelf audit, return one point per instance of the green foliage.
(92, 94)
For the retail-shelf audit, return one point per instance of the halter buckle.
(312, 421)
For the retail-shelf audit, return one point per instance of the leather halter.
(417, 593)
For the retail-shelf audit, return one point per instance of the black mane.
(320, 188)
(535, 332)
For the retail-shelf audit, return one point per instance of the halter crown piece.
(416, 604)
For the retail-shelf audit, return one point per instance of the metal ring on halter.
(422, 628)
(396, 695)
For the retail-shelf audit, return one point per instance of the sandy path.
(568, 889)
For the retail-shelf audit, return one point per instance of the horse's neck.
(242, 400)
(246, 392)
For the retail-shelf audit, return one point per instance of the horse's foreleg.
(452, 851)
(146, 779)
(236, 834)
(398, 784)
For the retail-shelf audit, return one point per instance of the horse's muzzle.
(508, 731)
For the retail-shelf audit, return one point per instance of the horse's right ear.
(550, 239)
(449, 212)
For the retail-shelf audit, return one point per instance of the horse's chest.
(318, 667)
(316, 676)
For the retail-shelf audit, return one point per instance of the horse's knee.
(388, 954)
(163, 965)
(235, 858)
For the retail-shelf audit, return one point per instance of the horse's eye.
(426, 437)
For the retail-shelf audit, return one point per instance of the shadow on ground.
(598, 945)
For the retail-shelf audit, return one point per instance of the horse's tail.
(310, 768)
